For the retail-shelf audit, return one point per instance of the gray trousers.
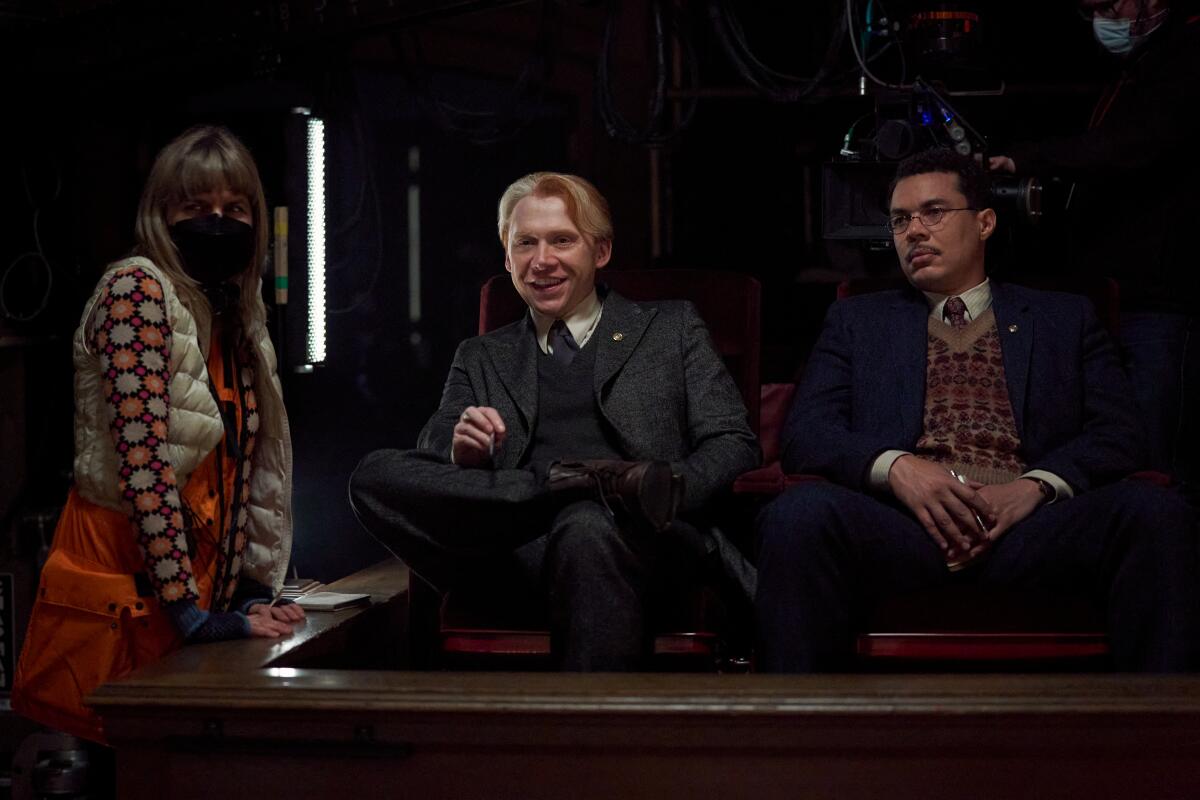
(452, 524)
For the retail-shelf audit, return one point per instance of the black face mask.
(214, 248)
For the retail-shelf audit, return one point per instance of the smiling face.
(947, 259)
(553, 263)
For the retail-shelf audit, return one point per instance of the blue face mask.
(1114, 34)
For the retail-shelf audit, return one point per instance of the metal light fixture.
(306, 235)
(314, 349)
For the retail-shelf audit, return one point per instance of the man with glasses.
(971, 432)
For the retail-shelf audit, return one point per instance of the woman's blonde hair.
(202, 159)
(586, 207)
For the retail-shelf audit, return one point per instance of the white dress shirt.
(581, 322)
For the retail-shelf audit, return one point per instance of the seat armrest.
(769, 480)
(766, 480)
(1153, 477)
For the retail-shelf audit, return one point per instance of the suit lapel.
(514, 356)
(909, 355)
(1014, 325)
(617, 335)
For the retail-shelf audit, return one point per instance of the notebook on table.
(331, 601)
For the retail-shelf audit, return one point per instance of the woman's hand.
(271, 622)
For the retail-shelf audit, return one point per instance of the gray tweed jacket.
(660, 386)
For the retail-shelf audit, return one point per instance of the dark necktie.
(562, 343)
(956, 311)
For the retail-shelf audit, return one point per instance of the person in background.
(178, 527)
(1134, 207)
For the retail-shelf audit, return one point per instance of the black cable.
(372, 190)
(659, 129)
(896, 41)
(36, 256)
(862, 62)
(355, 217)
(486, 127)
(775, 85)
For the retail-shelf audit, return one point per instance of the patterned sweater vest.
(969, 425)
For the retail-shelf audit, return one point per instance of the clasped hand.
(478, 435)
(947, 508)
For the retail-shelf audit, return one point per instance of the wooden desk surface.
(737, 700)
(210, 724)
(322, 633)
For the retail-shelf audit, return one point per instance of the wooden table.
(367, 636)
(247, 725)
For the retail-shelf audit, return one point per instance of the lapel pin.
(618, 336)
(1012, 328)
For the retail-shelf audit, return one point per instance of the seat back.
(728, 302)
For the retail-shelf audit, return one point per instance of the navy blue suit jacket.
(863, 391)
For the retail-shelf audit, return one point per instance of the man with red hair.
(566, 443)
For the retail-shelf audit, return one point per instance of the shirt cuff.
(1062, 490)
(880, 468)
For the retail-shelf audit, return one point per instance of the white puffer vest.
(194, 428)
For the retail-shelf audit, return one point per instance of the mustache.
(920, 250)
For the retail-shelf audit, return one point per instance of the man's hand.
(1013, 501)
(1001, 164)
(478, 435)
(943, 506)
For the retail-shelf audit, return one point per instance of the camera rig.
(907, 121)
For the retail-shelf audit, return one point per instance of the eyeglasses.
(930, 218)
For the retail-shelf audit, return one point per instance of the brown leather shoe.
(647, 490)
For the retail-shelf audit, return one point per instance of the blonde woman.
(178, 527)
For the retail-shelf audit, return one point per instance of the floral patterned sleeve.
(133, 337)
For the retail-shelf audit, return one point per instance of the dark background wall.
(487, 91)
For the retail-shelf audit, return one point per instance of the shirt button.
(139, 605)
(211, 493)
(208, 521)
(112, 606)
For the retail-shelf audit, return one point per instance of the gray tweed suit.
(662, 393)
